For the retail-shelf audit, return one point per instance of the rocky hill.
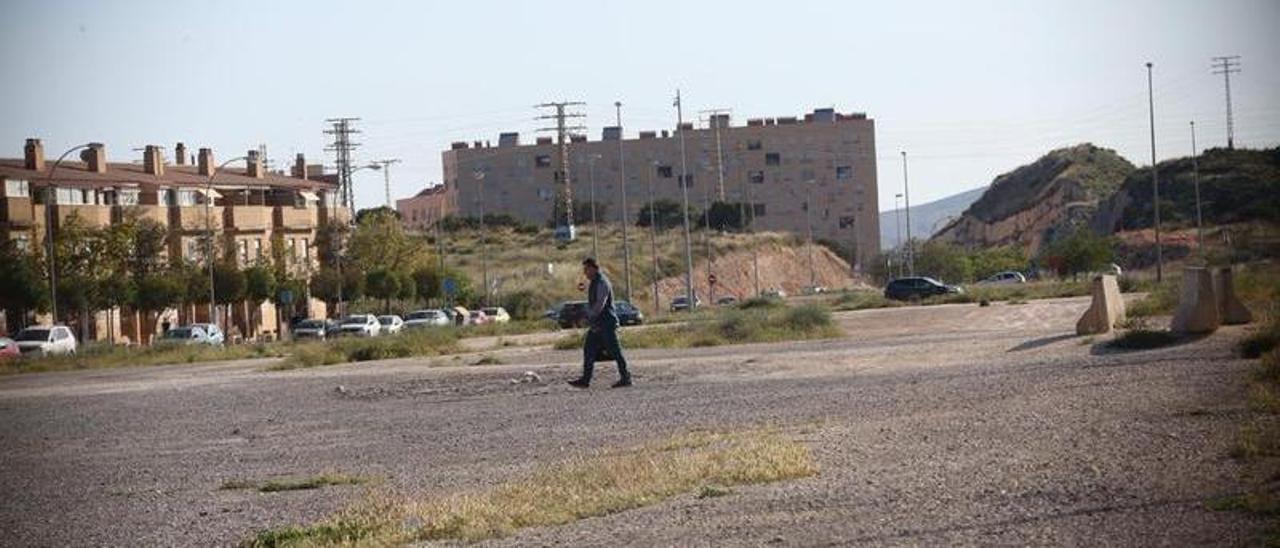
(1235, 186)
(1031, 204)
(924, 217)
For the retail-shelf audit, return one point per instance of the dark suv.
(919, 287)
(628, 314)
(572, 314)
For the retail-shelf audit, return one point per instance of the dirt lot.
(952, 424)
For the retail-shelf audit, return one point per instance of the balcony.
(15, 212)
(192, 218)
(338, 215)
(95, 216)
(248, 218)
(295, 218)
(158, 214)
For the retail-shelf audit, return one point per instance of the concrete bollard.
(1197, 306)
(1106, 310)
(1232, 311)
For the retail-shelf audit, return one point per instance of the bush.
(807, 317)
(761, 303)
(419, 342)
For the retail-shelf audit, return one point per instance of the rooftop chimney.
(153, 160)
(95, 158)
(204, 163)
(253, 165)
(299, 167)
(33, 155)
(180, 154)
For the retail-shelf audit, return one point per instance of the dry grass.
(729, 326)
(597, 484)
(102, 356)
(419, 342)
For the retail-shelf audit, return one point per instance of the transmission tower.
(1226, 66)
(718, 117)
(342, 147)
(562, 130)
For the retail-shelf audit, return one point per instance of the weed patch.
(731, 326)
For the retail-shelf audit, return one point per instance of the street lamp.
(595, 228)
(653, 237)
(622, 182)
(684, 204)
(897, 224)
(208, 227)
(906, 196)
(478, 174)
(50, 198)
(1195, 169)
(1155, 180)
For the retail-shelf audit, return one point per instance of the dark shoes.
(580, 383)
(622, 383)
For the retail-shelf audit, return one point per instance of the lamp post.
(622, 183)
(208, 227)
(595, 227)
(653, 238)
(50, 198)
(1155, 180)
(684, 204)
(1195, 170)
(897, 225)
(906, 197)
(479, 174)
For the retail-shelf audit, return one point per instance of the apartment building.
(424, 209)
(813, 172)
(244, 206)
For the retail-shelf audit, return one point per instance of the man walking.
(602, 328)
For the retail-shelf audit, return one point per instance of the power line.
(562, 129)
(386, 175)
(342, 147)
(1226, 66)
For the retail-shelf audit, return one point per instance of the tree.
(380, 211)
(725, 216)
(987, 262)
(383, 284)
(944, 261)
(1080, 251)
(228, 283)
(427, 281)
(381, 242)
(325, 286)
(665, 212)
(156, 292)
(25, 289)
(259, 286)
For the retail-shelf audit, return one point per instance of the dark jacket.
(600, 312)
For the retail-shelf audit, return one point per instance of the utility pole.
(622, 184)
(595, 226)
(906, 196)
(808, 223)
(1195, 171)
(684, 213)
(897, 224)
(484, 237)
(386, 175)
(1155, 179)
(342, 147)
(1226, 66)
(653, 238)
(718, 117)
(562, 129)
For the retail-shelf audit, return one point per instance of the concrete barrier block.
(1106, 310)
(1197, 305)
(1233, 311)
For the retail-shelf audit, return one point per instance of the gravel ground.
(951, 424)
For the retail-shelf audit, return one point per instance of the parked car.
(497, 314)
(361, 325)
(313, 329)
(627, 313)
(774, 292)
(917, 287)
(8, 349)
(551, 313)
(727, 300)
(572, 314)
(46, 340)
(457, 315)
(814, 290)
(478, 317)
(425, 318)
(391, 324)
(215, 334)
(682, 303)
(1006, 277)
(187, 335)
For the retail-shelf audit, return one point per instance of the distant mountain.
(924, 217)
(1035, 203)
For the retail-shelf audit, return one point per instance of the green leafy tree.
(666, 213)
(987, 262)
(24, 289)
(228, 283)
(157, 292)
(325, 285)
(383, 284)
(946, 262)
(1080, 251)
(725, 216)
(427, 281)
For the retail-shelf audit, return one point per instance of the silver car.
(46, 340)
(426, 318)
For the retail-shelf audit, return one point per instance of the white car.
(426, 318)
(497, 314)
(391, 324)
(43, 340)
(213, 332)
(311, 329)
(360, 325)
(1007, 277)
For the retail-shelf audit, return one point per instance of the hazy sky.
(969, 89)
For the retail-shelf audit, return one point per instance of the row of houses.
(245, 207)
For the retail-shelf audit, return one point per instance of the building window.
(293, 248)
(192, 250)
(165, 196)
(73, 196)
(21, 241)
(758, 210)
(772, 159)
(17, 188)
(244, 251)
(806, 174)
(664, 172)
(187, 198)
(128, 196)
(844, 172)
(306, 251)
(542, 160)
(846, 221)
(257, 249)
(688, 180)
(757, 177)
(754, 144)
(544, 193)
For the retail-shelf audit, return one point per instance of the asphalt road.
(951, 424)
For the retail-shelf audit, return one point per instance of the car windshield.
(178, 333)
(420, 315)
(491, 311)
(310, 324)
(386, 320)
(355, 319)
(33, 335)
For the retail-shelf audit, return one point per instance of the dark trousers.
(603, 340)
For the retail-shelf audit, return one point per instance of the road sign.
(286, 296)
(450, 287)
